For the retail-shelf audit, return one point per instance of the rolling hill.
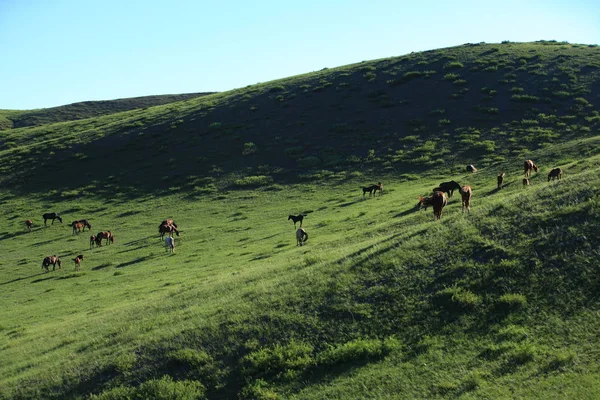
(381, 302)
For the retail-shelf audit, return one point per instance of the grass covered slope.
(443, 109)
(86, 109)
(382, 301)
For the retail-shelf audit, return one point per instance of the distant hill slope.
(87, 109)
(439, 109)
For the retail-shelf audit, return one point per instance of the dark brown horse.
(466, 193)
(556, 173)
(51, 260)
(528, 166)
(373, 189)
(167, 227)
(301, 237)
(500, 179)
(51, 216)
(449, 187)
(526, 182)
(471, 168)
(29, 224)
(92, 241)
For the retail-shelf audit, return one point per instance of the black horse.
(51, 216)
(296, 218)
(448, 187)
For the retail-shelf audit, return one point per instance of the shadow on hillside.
(404, 213)
(101, 266)
(22, 278)
(9, 235)
(43, 279)
(136, 261)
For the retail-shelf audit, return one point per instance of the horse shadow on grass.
(11, 235)
(23, 278)
(132, 262)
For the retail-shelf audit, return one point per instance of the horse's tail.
(305, 235)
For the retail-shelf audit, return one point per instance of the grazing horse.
(169, 221)
(528, 166)
(77, 226)
(500, 179)
(110, 238)
(296, 218)
(84, 224)
(438, 201)
(29, 224)
(92, 241)
(78, 261)
(170, 244)
(526, 182)
(301, 237)
(167, 228)
(448, 187)
(555, 173)
(373, 189)
(471, 168)
(51, 216)
(466, 194)
(51, 260)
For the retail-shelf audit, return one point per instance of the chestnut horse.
(438, 201)
(29, 224)
(301, 237)
(555, 173)
(84, 224)
(51, 260)
(77, 227)
(167, 226)
(466, 194)
(528, 166)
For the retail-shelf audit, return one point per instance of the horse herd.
(438, 200)
(166, 227)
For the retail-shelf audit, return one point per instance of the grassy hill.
(86, 109)
(382, 301)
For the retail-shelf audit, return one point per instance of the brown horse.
(110, 238)
(166, 228)
(438, 201)
(466, 194)
(77, 226)
(301, 237)
(526, 182)
(29, 224)
(51, 260)
(92, 241)
(78, 261)
(84, 224)
(528, 166)
(555, 173)
(500, 179)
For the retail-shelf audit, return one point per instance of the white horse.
(170, 244)
(301, 236)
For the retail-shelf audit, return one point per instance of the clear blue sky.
(56, 52)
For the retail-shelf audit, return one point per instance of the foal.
(29, 224)
(78, 261)
(526, 182)
(170, 244)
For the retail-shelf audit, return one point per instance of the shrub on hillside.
(253, 180)
(277, 360)
(358, 350)
(511, 302)
(457, 299)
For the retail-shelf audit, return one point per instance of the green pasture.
(381, 301)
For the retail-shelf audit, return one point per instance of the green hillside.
(87, 109)
(381, 302)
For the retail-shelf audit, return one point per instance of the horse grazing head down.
(466, 193)
(301, 237)
(449, 187)
(555, 173)
(78, 261)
